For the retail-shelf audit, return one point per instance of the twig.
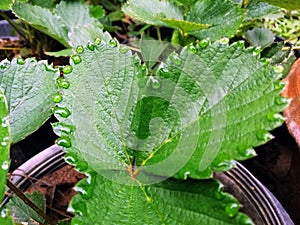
(28, 202)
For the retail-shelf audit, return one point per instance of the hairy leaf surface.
(28, 87)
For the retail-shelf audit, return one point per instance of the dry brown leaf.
(292, 91)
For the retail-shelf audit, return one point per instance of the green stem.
(28, 202)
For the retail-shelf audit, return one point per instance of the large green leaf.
(57, 23)
(256, 9)
(201, 110)
(288, 4)
(170, 202)
(224, 16)
(160, 13)
(28, 86)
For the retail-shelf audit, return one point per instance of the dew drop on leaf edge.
(63, 83)
(91, 46)
(192, 49)
(264, 135)
(62, 111)
(5, 141)
(76, 59)
(57, 98)
(5, 165)
(63, 141)
(175, 59)
(204, 43)
(113, 43)
(124, 49)
(67, 69)
(79, 49)
(232, 209)
(98, 41)
(20, 61)
(272, 116)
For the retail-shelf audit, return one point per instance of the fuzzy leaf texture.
(160, 13)
(57, 23)
(4, 4)
(203, 108)
(28, 87)
(287, 4)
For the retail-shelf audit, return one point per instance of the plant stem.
(28, 202)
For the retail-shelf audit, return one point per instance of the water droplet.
(282, 100)
(232, 209)
(143, 67)
(5, 165)
(240, 44)
(204, 43)
(5, 141)
(264, 135)
(63, 141)
(91, 46)
(79, 49)
(60, 127)
(224, 41)
(86, 187)
(219, 194)
(82, 166)
(124, 49)
(67, 69)
(222, 166)
(4, 64)
(2, 97)
(71, 158)
(136, 59)
(164, 72)
(245, 220)
(50, 68)
(79, 208)
(192, 49)
(5, 122)
(265, 61)
(5, 212)
(247, 152)
(175, 59)
(76, 59)
(61, 111)
(279, 85)
(186, 175)
(113, 43)
(275, 117)
(278, 69)
(63, 83)
(33, 60)
(98, 41)
(256, 51)
(20, 61)
(57, 98)
(154, 83)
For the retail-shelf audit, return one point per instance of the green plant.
(150, 130)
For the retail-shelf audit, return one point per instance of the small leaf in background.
(260, 37)
(22, 213)
(96, 11)
(4, 4)
(292, 91)
(59, 22)
(28, 86)
(160, 13)
(223, 16)
(257, 9)
(287, 4)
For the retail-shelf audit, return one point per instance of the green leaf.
(224, 16)
(28, 86)
(57, 23)
(170, 202)
(64, 52)
(160, 13)
(256, 9)
(203, 109)
(4, 4)
(260, 37)
(96, 11)
(22, 213)
(5, 140)
(287, 4)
